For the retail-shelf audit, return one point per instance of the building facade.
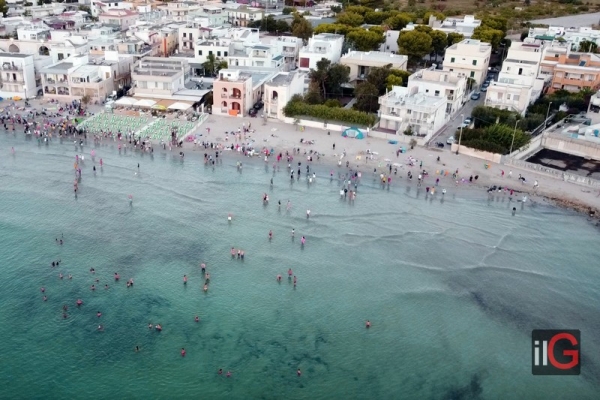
(279, 90)
(444, 84)
(157, 77)
(469, 58)
(323, 45)
(361, 62)
(17, 76)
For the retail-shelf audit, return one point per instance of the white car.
(450, 140)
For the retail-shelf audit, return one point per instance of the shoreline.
(282, 137)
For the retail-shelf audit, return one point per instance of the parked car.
(466, 123)
(483, 89)
(439, 144)
(450, 140)
(485, 84)
(259, 105)
(253, 112)
(475, 96)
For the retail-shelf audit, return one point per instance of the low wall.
(554, 173)
(528, 150)
(484, 155)
(317, 124)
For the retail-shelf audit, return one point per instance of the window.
(218, 54)
(520, 71)
(426, 90)
(474, 62)
(166, 86)
(437, 93)
(516, 97)
(472, 74)
(408, 111)
(225, 53)
(452, 59)
(184, 34)
(61, 56)
(507, 69)
(199, 52)
(210, 52)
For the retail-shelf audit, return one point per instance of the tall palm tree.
(210, 64)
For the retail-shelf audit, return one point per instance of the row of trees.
(496, 138)
(299, 107)
(299, 26)
(378, 81)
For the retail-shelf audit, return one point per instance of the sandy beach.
(282, 137)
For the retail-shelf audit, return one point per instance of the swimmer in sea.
(117, 277)
(137, 348)
(232, 252)
(79, 302)
(100, 328)
(197, 319)
(220, 372)
(229, 217)
(290, 273)
(43, 289)
(299, 373)
(92, 270)
(368, 324)
(303, 240)
(279, 278)
(293, 232)
(60, 276)
(98, 314)
(65, 316)
(106, 287)
(182, 352)
(270, 235)
(228, 374)
(93, 287)
(45, 298)
(242, 255)
(70, 276)
(185, 279)
(150, 325)
(295, 280)
(203, 267)
(158, 327)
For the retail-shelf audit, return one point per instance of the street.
(450, 129)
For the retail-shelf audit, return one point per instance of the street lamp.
(513, 139)
(462, 120)
(547, 114)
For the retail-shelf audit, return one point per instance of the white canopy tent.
(179, 106)
(126, 101)
(145, 103)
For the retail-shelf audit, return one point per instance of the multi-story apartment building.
(101, 7)
(574, 36)
(403, 109)
(160, 77)
(470, 58)
(236, 91)
(253, 55)
(279, 90)
(518, 84)
(444, 84)
(289, 47)
(180, 10)
(17, 76)
(242, 16)
(576, 71)
(361, 62)
(323, 45)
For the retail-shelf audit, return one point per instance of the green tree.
(267, 24)
(213, 64)
(436, 14)
(377, 17)
(334, 28)
(497, 23)
(367, 97)
(282, 26)
(365, 40)
(393, 80)
(415, 45)
(301, 28)
(329, 77)
(398, 21)
(454, 37)
(488, 35)
(313, 95)
(288, 10)
(587, 46)
(439, 41)
(360, 10)
(350, 19)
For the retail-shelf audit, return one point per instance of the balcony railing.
(14, 81)
(9, 67)
(235, 96)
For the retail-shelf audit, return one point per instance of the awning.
(179, 106)
(126, 101)
(145, 103)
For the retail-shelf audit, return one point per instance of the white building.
(279, 90)
(361, 62)
(470, 58)
(518, 84)
(289, 47)
(404, 109)
(17, 76)
(157, 77)
(574, 36)
(323, 45)
(253, 55)
(100, 7)
(444, 84)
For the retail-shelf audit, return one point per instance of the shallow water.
(453, 288)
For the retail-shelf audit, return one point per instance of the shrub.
(320, 111)
(332, 103)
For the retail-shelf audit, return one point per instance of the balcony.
(392, 117)
(14, 81)
(234, 96)
(259, 54)
(450, 97)
(10, 67)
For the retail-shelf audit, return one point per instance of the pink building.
(232, 93)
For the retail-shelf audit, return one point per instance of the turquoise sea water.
(453, 288)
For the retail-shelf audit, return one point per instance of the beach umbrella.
(17, 98)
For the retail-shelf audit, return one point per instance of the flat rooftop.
(61, 67)
(567, 163)
(281, 79)
(378, 56)
(15, 55)
(151, 72)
